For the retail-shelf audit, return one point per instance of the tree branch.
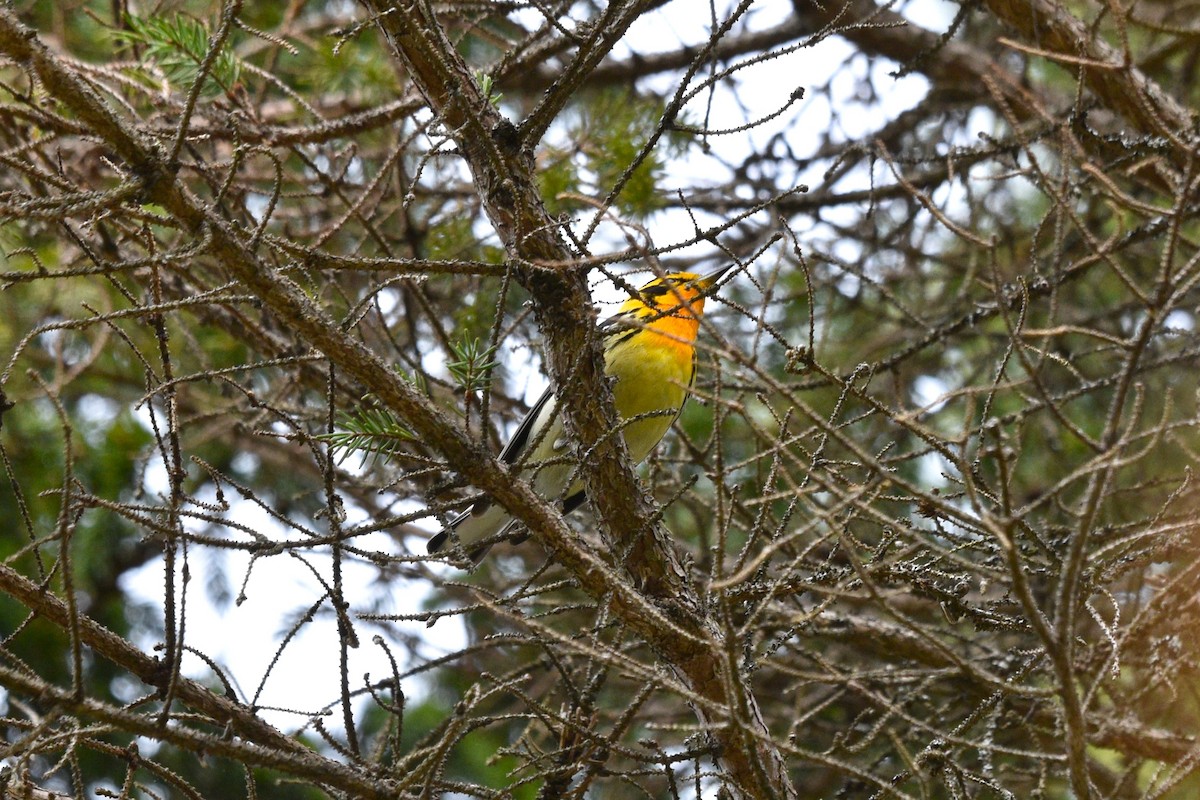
(503, 171)
(672, 623)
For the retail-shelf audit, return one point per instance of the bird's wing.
(511, 453)
(618, 325)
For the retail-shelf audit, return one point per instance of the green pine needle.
(178, 45)
(472, 365)
(371, 430)
(486, 84)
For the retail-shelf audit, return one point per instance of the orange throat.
(675, 329)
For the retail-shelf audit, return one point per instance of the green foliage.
(472, 365)
(487, 86)
(356, 67)
(608, 133)
(178, 45)
(455, 237)
(371, 430)
(558, 180)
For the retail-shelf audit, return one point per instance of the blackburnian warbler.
(649, 352)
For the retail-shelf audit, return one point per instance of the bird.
(650, 354)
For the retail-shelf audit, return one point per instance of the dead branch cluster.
(927, 528)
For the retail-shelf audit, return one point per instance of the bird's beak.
(708, 281)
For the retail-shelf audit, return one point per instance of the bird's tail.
(487, 522)
(483, 522)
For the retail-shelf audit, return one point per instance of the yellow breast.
(652, 373)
